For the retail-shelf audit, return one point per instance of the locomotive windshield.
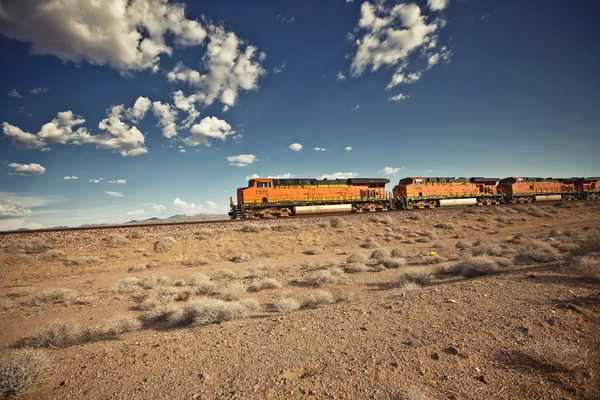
(406, 181)
(507, 181)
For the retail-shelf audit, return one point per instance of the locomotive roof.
(314, 182)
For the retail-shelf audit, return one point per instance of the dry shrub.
(116, 240)
(461, 245)
(535, 212)
(475, 266)
(320, 297)
(355, 267)
(224, 274)
(551, 354)
(490, 248)
(286, 305)
(28, 246)
(370, 244)
(394, 262)
(83, 260)
(195, 279)
(445, 226)
(380, 254)
(135, 234)
(418, 276)
(137, 268)
(356, 258)
(537, 252)
(398, 252)
(267, 283)
(409, 286)
(154, 281)
(251, 228)
(203, 234)
(590, 245)
(313, 251)
(285, 227)
(234, 291)
(414, 217)
(161, 297)
(250, 304)
(205, 311)
(52, 255)
(240, 258)
(126, 285)
(20, 292)
(423, 239)
(204, 287)
(52, 295)
(111, 329)
(337, 222)
(164, 244)
(432, 259)
(322, 278)
(23, 369)
(586, 266)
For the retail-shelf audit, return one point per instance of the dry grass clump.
(555, 356)
(20, 292)
(394, 262)
(27, 246)
(380, 254)
(135, 234)
(205, 311)
(252, 228)
(418, 276)
(461, 245)
(164, 244)
(53, 295)
(23, 369)
(423, 239)
(356, 258)
(286, 305)
(537, 252)
(414, 217)
(490, 248)
(224, 273)
(323, 278)
(137, 268)
(590, 245)
(337, 222)
(242, 257)
(52, 255)
(398, 252)
(154, 281)
(83, 260)
(475, 266)
(203, 234)
(116, 240)
(320, 297)
(250, 304)
(267, 283)
(126, 285)
(233, 291)
(409, 286)
(432, 259)
(445, 226)
(535, 212)
(285, 227)
(355, 268)
(313, 251)
(195, 279)
(162, 297)
(370, 244)
(586, 266)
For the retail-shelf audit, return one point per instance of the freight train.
(271, 197)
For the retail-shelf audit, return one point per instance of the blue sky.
(155, 96)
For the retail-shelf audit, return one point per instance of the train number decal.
(262, 192)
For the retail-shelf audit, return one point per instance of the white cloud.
(39, 90)
(320, 149)
(119, 181)
(340, 175)
(429, 170)
(211, 204)
(119, 137)
(138, 213)
(389, 35)
(437, 5)
(348, 148)
(398, 97)
(166, 115)
(139, 109)
(209, 128)
(287, 175)
(285, 18)
(14, 224)
(96, 180)
(70, 178)
(115, 194)
(349, 1)
(279, 69)
(190, 208)
(13, 93)
(158, 208)
(340, 76)
(27, 169)
(242, 160)
(295, 147)
(13, 209)
(186, 104)
(355, 108)
(391, 170)
(253, 176)
(127, 36)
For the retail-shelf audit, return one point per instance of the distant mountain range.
(171, 219)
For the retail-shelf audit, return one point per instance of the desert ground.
(499, 302)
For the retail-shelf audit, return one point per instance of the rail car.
(528, 190)
(270, 197)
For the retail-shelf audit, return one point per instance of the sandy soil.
(528, 328)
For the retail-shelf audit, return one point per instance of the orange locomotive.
(416, 192)
(527, 190)
(267, 197)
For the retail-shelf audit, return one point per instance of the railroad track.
(122, 226)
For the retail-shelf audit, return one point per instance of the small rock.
(435, 356)
(394, 364)
(524, 329)
(482, 378)
(532, 276)
(362, 328)
(452, 350)
(552, 321)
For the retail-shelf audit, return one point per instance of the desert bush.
(164, 244)
(20, 292)
(242, 257)
(445, 226)
(431, 259)
(370, 244)
(320, 297)
(233, 291)
(313, 251)
(322, 278)
(285, 227)
(475, 266)
(83, 260)
(267, 283)
(418, 276)
(408, 286)
(586, 266)
(154, 281)
(394, 262)
(196, 278)
(251, 228)
(116, 240)
(52, 295)
(52, 255)
(337, 222)
(537, 252)
(206, 311)
(535, 212)
(286, 305)
(461, 245)
(355, 267)
(224, 273)
(423, 239)
(28, 246)
(57, 335)
(414, 217)
(356, 258)
(380, 254)
(126, 285)
(137, 268)
(398, 252)
(161, 297)
(23, 369)
(590, 245)
(108, 330)
(203, 234)
(491, 249)
(551, 354)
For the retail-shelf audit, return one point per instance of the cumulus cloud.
(280, 68)
(13, 209)
(207, 129)
(355, 108)
(192, 208)
(391, 170)
(398, 97)
(437, 5)
(295, 147)
(27, 169)
(348, 148)
(70, 178)
(125, 35)
(388, 35)
(242, 160)
(96, 180)
(253, 176)
(115, 194)
(287, 175)
(320, 149)
(166, 115)
(39, 90)
(340, 175)
(138, 213)
(14, 93)
(340, 76)
(211, 204)
(186, 104)
(14, 224)
(119, 181)
(119, 136)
